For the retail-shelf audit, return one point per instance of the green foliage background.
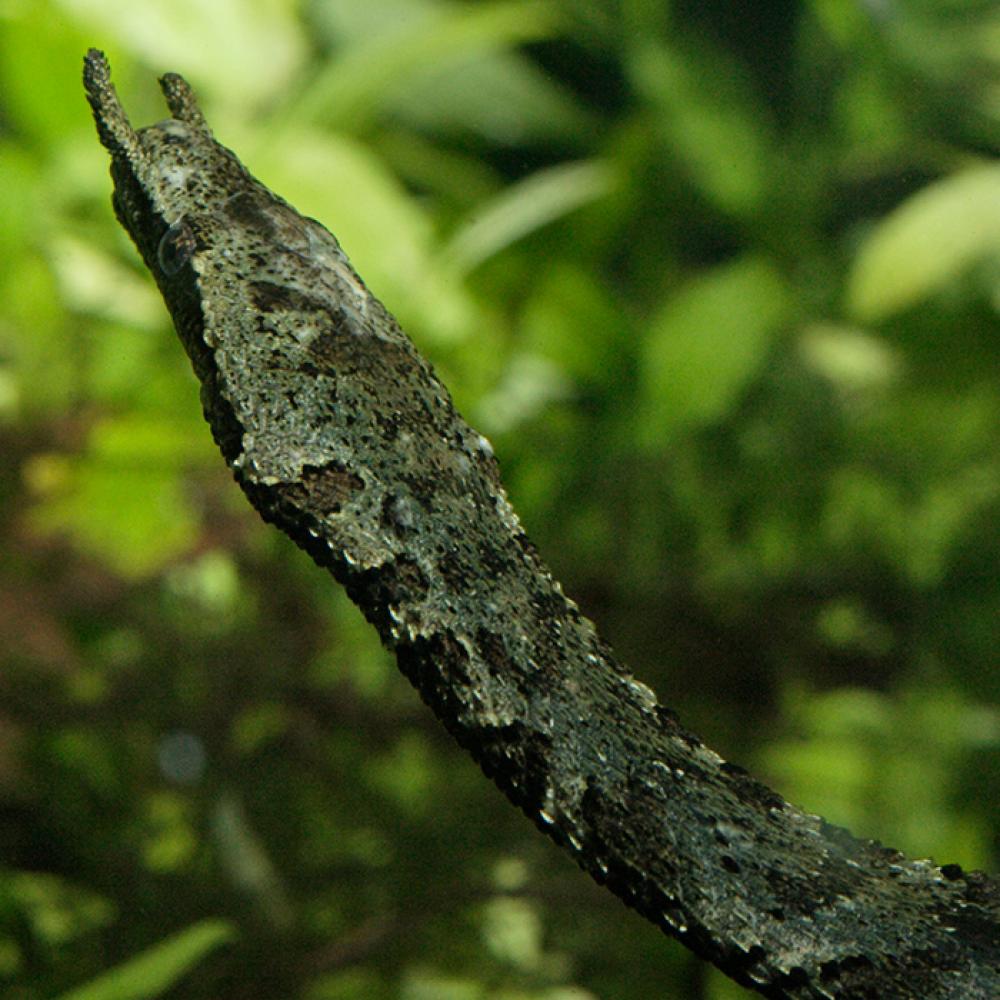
(721, 283)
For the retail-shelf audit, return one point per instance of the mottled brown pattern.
(341, 435)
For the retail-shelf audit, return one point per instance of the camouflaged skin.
(340, 434)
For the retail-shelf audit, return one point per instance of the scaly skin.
(340, 434)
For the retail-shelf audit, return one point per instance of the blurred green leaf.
(914, 531)
(850, 358)
(124, 499)
(525, 388)
(349, 984)
(56, 910)
(406, 773)
(353, 87)
(424, 984)
(844, 21)
(160, 967)
(707, 342)
(500, 95)
(168, 837)
(926, 243)
(40, 61)
(34, 345)
(245, 857)
(20, 195)
(709, 119)
(524, 207)
(573, 320)
(512, 930)
(263, 46)
(92, 280)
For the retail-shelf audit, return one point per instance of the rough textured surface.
(341, 435)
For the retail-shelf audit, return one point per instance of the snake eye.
(176, 248)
